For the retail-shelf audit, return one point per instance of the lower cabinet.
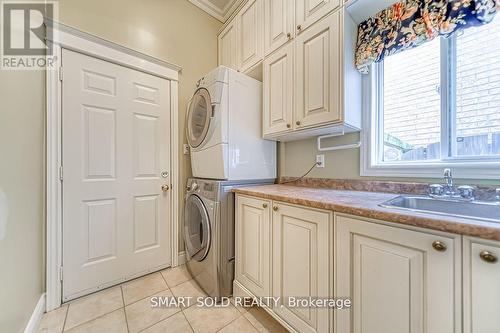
(253, 243)
(301, 264)
(399, 280)
(481, 285)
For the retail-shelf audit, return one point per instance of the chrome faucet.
(465, 192)
(448, 180)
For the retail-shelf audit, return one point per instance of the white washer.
(224, 129)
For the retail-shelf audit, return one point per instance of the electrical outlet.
(320, 160)
(185, 149)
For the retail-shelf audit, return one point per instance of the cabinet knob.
(264, 205)
(439, 246)
(288, 126)
(488, 257)
(299, 27)
(288, 35)
(275, 208)
(298, 123)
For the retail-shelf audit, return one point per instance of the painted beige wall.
(22, 190)
(172, 30)
(298, 156)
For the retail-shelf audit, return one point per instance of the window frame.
(473, 167)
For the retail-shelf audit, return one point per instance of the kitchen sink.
(477, 210)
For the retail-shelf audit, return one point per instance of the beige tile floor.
(127, 308)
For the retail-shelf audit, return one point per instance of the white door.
(253, 256)
(116, 148)
(227, 46)
(310, 11)
(301, 264)
(250, 35)
(399, 280)
(278, 91)
(481, 285)
(318, 77)
(278, 23)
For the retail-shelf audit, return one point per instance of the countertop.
(366, 204)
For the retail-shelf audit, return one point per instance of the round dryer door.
(199, 116)
(196, 229)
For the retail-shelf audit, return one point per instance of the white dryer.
(224, 129)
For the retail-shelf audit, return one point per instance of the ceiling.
(220, 9)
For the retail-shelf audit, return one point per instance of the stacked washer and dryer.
(224, 132)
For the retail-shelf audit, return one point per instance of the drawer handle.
(264, 205)
(439, 246)
(275, 208)
(488, 257)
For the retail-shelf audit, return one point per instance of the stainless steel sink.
(477, 210)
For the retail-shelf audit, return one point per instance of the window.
(437, 104)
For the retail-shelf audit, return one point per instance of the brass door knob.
(264, 205)
(275, 208)
(488, 257)
(165, 188)
(298, 123)
(439, 246)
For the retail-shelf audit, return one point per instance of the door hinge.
(60, 273)
(61, 173)
(60, 73)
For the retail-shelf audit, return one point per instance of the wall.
(172, 30)
(22, 196)
(297, 157)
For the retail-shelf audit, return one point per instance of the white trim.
(182, 258)
(75, 40)
(36, 316)
(221, 14)
(472, 169)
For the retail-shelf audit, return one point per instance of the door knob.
(165, 188)
(488, 257)
(439, 246)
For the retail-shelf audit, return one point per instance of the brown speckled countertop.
(366, 204)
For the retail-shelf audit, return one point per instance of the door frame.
(65, 37)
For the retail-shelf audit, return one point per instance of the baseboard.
(181, 258)
(36, 316)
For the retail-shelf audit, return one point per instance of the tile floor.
(127, 308)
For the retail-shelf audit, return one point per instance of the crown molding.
(221, 14)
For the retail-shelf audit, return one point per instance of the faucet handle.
(466, 192)
(436, 189)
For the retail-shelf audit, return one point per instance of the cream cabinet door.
(301, 264)
(278, 91)
(481, 285)
(307, 12)
(227, 47)
(250, 35)
(252, 252)
(318, 74)
(278, 23)
(397, 280)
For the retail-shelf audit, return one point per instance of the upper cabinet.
(250, 31)
(227, 46)
(311, 86)
(308, 12)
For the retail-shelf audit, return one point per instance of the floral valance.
(410, 23)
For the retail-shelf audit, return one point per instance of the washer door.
(199, 117)
(197, 231)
